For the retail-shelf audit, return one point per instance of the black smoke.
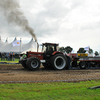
(11, 10)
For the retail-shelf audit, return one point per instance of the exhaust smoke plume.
(11, 10)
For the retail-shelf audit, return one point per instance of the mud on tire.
(33, 63)
(59, 62)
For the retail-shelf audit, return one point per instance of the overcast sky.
(74, 23)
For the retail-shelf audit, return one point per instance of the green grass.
(50, 91)
(15, 61)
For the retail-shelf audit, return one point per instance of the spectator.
(10, 56)
(21, 57)
(0, 54)
(6, 56)
(3, 56)
(24, 55)
(13, 56)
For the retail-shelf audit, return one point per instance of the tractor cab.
(49, 48)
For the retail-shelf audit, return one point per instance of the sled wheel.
(82, 65)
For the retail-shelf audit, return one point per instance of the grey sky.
(74, 23)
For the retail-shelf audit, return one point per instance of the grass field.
(50, 91)
(11, 61)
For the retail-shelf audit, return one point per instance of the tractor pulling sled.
(53, 59)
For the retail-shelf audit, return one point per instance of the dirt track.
(16, 73)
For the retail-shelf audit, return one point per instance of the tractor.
(49, 57)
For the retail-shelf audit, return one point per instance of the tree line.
(69, 49)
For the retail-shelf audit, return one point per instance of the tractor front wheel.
(33, 63)
(23, 63)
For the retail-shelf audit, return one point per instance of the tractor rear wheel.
(59, 62)
(33, 63)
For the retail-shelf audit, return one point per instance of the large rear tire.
(33, 63)
(59, 62)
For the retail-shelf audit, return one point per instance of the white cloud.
(72, 23)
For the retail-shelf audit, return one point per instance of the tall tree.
(68, 49)
(96, 53)
(90, 51)
(62, 49)
(81, 50)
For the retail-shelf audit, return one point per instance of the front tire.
(33, 63)
(23, 63)
(59, 62)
